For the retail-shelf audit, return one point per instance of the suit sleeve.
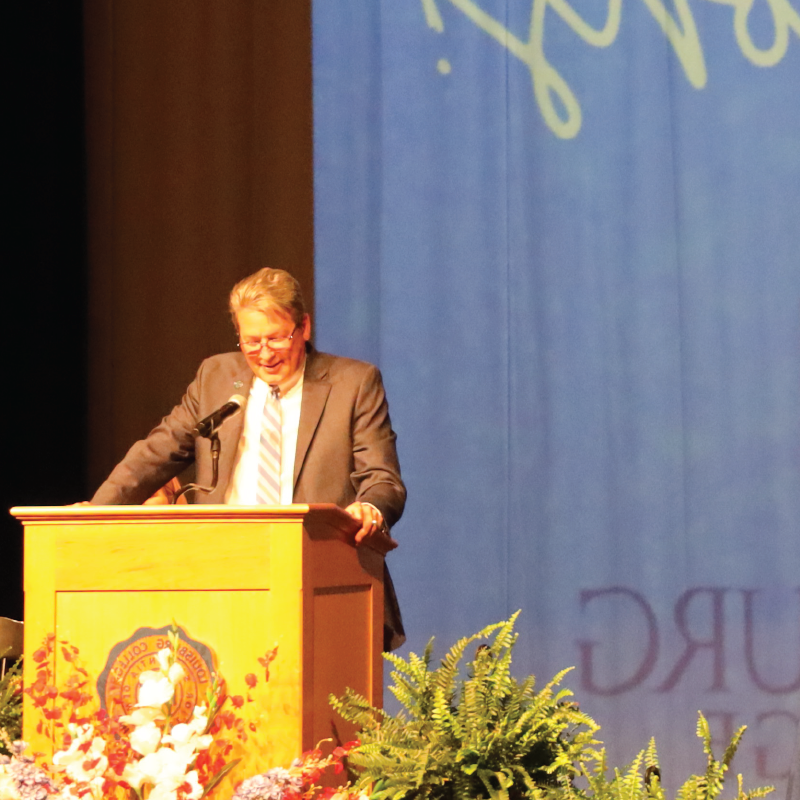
(376, 474)
(151, 462)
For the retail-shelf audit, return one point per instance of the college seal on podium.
(118, 683)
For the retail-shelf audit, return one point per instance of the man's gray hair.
(269, 290)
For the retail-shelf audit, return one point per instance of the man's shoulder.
(224, 366)
(224, 360)
(326, 366)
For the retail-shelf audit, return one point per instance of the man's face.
(275, 367)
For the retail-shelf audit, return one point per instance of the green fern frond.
(651, 754)
(730, 750)
(761, 791)
(496, 783)
(704, 733)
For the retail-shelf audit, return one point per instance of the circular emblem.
(118, 684)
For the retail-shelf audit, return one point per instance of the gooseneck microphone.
(207, 427)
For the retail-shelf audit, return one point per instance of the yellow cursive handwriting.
(557, 103)
(784, 18)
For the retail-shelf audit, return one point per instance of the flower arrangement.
(469, 731)
(299, 781)
(149, 753)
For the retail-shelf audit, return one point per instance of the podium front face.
(238, 582)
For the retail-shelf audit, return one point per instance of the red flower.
(203, 759)
(226, 718)
(269, 657)
(251, 680)
(117, 762)
(237, 700)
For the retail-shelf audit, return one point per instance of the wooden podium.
(238, 581)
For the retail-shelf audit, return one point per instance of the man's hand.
(370, 518)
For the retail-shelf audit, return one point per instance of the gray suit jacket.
(345, 443)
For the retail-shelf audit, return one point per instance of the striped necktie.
(268, 491)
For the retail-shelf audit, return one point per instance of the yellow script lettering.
(564, 116)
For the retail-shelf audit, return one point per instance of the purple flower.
(271, 785)
(32, 783)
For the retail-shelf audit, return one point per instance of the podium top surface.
(321, 520)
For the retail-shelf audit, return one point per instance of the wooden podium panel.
(238, 580)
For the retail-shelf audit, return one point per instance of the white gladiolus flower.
(176, 674)
(197, 790)
(155, 693)
(146, 738)
(74, 759)
(185, 740)
(164, 770)
(141, 716)
(165, 766)
(190, 734)
(163, 793)
(163, 659)
(8, 785)
(133, 775)
(199, 718)
(96, 787)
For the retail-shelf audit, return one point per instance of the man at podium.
(313, 427)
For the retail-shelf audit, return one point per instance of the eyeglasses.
(251, 346)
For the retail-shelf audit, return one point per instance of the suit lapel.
(230, 433)
(315, 395)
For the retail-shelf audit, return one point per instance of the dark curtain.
(44, 273)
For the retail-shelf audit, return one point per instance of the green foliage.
(483, 735)
(486, 736)
(10, 707)
(642, 779)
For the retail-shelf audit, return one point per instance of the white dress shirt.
(242, 490)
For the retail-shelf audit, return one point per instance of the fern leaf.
(704, 733)
(730, 750)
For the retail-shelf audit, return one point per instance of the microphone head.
(206, 427)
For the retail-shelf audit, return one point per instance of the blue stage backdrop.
(569, 234)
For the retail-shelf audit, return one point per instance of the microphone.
(208, 426)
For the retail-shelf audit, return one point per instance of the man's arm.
(380, 492)
(152, 462)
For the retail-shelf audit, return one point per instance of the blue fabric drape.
(576, 263)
